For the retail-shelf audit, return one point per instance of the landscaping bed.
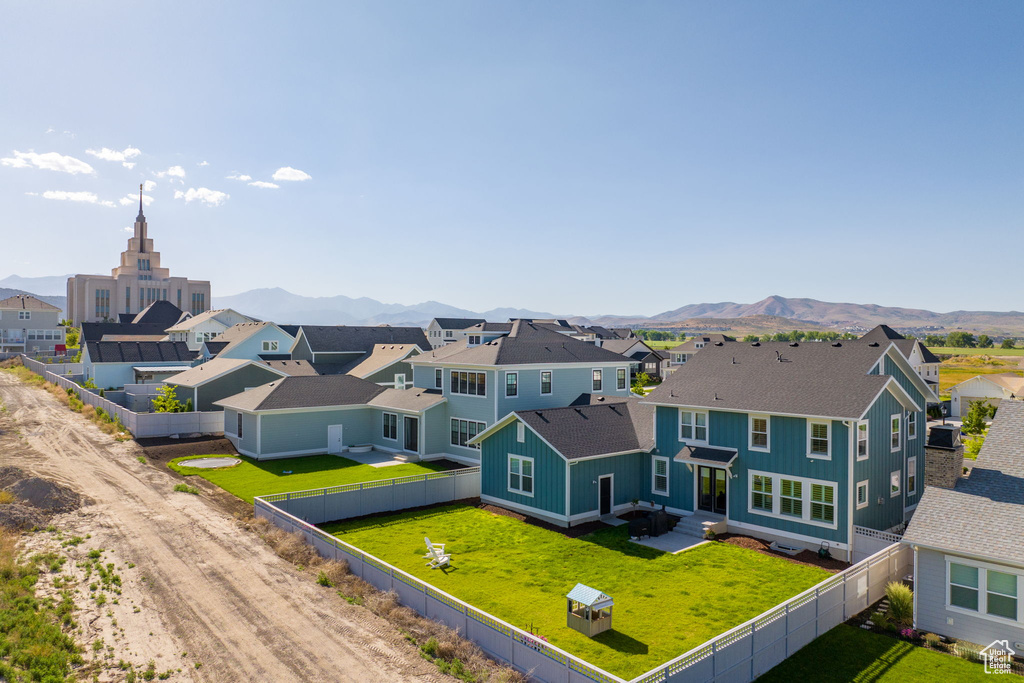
(518, 571)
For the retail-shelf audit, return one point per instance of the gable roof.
(528, 343)
(212, 314)
(457, 323)
(139, 352)
(26, 302)
(690, 345)
(359, 339)
(317, 391)
(382, 356)
(158, 313)
(490, 327)
(814, 378)
(235, 335)
(414, 399)
(594, 425)
(214, 369)
(1007, 381)
(97, 331)
(621, 346)
(883, 334)
(293, 368)
(983, 515)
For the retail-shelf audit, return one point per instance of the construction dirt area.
(196, 594)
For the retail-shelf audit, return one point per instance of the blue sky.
(577, 157)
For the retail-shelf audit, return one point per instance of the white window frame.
(400, 380)
(867, 440)
(654, 475)
(911, 425)
(694, 426)
(24, 315)
(597, 379)
(867, 494)
(805, 498)
(767, 432)
(896, 420)
(623, 375)
(895, 476)
(533, 478)
(270, 345)
(520, 432)
(770, 493)
(551, 383)
(911, 481)
(828, 438)
(983, 569)
(473, 340)
(511, 374)
(384, 426)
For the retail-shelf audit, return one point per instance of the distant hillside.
(50, 285)
(60, 302)
(282, 306)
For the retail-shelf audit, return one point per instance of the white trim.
(898, 419)
(468, 439)
(867, 439)
(668, 469)
(383, 424)
(867, 494)
(896, 475)
(599, 378)
(693, 426)
(540, 386)
(787, 534)
(983, 569)
(911, 471)
(521, 431)
(828, 438)
(744, 411)
(805, 498)
(487, 381)
(611, 494)
(504, 377)
(554, 518)
(911, 419)
(768, 432)
(625, 374)
(508, 472)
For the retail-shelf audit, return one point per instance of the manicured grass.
(851, 654)
(252, 478)
(996, 351)
(663, 344)
(664, 604)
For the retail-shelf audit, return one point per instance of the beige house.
(28, 325)
(990, 389)
(139, 281)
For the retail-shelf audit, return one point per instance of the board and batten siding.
(930, 596)
(681, 478)
(548, 470)
(627, 483)
(307, 430)
(233, 383)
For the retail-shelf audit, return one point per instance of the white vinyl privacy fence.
(867, 542)
(354, 500)
(141, 425)
(56, 368)
(738, 656)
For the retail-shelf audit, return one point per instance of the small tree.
(642, 379)
(1008, 343)
(974, 423)
(166, 400)
(934, 340)
(984, 341)
(750, 338)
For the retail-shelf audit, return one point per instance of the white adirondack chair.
(436, 555)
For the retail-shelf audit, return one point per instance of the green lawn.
(664, 604)
(847, 654)
(255, 478)
(663, 344)
(976, 352)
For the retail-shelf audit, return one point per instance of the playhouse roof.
(591, 597)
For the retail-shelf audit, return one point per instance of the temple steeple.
(141, 218)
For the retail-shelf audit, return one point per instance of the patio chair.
(431, 547)
(437, 558)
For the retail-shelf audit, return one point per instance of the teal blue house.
(795, 443)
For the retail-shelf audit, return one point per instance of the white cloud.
(129, 229)
(130, 199)
(203, 163)
(289, 173)
(50, 130)
(149, 185)
(50, 161)
(114, 155)
(268, 186)
(173, 171)
(203, 194)
(236, 176)
(65, 196)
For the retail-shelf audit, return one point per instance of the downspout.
(851, 505)
(568, 494)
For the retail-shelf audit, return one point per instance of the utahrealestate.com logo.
(998, 657)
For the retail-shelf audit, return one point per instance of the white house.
(989, 389)
(205, 327)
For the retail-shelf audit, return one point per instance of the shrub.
(901, 602)
(6, 498)
(933, 641)
(185, 488)
(881, 620)
(323, 579)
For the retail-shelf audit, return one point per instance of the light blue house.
(113, 364)
(795, 443)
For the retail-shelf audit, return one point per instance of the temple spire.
(141, 217)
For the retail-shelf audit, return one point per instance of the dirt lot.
(207, 592)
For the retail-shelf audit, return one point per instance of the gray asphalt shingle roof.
(690, 345)
(984, 514)
(26, 302)
(407, 399)
(360, 339)
(813, 378)
(317, 391)
(527, 343)
(96, 331)
(594, 425)
(457, 323)
(158, 313)
(294, 368)
(884, 334)
(139, 352)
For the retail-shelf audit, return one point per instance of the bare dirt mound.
(21, 517)
(45, 495)
(9, 475)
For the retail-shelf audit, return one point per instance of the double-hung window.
(894, 432)
(823, 503)
(911, 476)
(545, 382)
(862, 440)
(598, 380)
(511, 383)
(761, 493)
(464, 430)
(471, 383)
(391, 426)
(620, 378)
(438, 378)
(911, 425)
(818, 439)
(791, 498)
(758, 433)
(659, 475)
(520, 475)
(894, 483)
(238, 426)
(693, 426)
(24, 315)
(984, 590)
